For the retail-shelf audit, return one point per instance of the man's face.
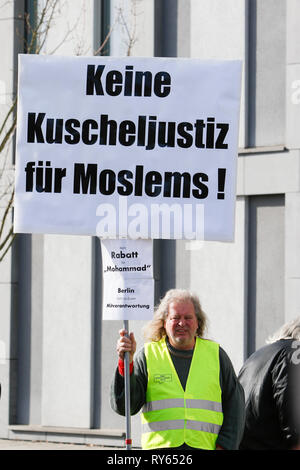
(181, 324)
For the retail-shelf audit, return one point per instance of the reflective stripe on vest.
(179, 403)
(171, 415)
(181, 424)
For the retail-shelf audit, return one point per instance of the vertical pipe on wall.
(165, 45)
(102, 25)
(250, 66)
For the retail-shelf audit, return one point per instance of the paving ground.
(9, 444)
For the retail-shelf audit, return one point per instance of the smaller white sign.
(128, 258)
(128, 299)
(128, 284)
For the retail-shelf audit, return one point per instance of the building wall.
(292, 201)
(57, 356)
(8, 273)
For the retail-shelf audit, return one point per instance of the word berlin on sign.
(128, 283)
(127, 147)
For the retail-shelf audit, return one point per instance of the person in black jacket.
(271, 381)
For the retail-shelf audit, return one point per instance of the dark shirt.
(232, 393)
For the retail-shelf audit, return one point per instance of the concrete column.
(292, 199)
(71, 31)
(8, 274)
(268, 73)
(29, 256)
(216, 272)
(67, 380)
(292, 255)
(293, 76)
(8, 355)
(133, 28)
(219, 32)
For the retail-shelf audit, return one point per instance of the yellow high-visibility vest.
(172, 416)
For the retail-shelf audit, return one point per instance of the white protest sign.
(128, 258)
(128, 284)
(127, 147)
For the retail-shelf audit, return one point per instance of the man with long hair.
(184, 384)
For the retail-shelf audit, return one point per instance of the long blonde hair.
(154, 330)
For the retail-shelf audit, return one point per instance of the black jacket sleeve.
(285, 394)
(233, 403)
